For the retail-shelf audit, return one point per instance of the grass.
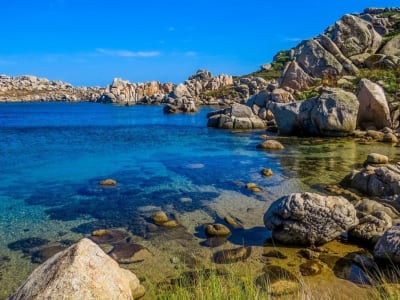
(238, 281)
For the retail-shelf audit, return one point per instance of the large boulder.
(379, 181)
(316, 61)
(237, 116)
(388, 246)
(392, 47)
(308, 218)
(374, 109)
(333, 113)
(83, 271)
(294, 77)
(354, 36)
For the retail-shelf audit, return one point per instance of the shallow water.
(53, 155)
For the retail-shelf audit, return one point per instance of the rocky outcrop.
(309, 218)
(333, 113)
(125, 92)
(83, 271)
(32, 88)
(374, 109)
(379, 181)
(388, 246)
(180, 106)
(237, 116)
(355, 41)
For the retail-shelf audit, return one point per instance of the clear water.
(52, 156)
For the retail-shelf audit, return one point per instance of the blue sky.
(89, 42)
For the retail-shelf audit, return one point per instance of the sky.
(90, 42)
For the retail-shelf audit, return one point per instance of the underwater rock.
(309, 218)
(270, 145)
(108, 182)
(267, 172)
(82, 271)
(161, 218)
(129, 253)
(308, 253)
(233, 222)
(217, 230)
(108, 236)
(232, 255)
(214, 241)
(26, 245)
(44, 253)
(275, 254)
(278, 281)
(311, 268)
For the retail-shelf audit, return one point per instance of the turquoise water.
(53, 155)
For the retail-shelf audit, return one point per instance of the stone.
(294, 77)
(270, 145)
(267, 172)
(160, 217)
(333, 113)
(379, 181)
(129, 253)
(388, 246)
(354, 36)
(376, 158)
(233, 222)
(311, 268)
(308, 253)
(82, 271)
(108, 182)
(108, 236)
(275, 254)
(392, 47)
(374, 108)
(278, 281)
(232, 255)
(309, 218)
(217, 230)
(371, 227)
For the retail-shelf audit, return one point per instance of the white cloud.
(127, 53)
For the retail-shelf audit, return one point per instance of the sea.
(54, 154)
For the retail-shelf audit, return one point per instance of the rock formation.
(32, 88)
(309, 218)
(388, 246)
(83, 271)
(333, 113)
(237, 116)
(374, 109)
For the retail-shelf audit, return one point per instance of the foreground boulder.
(237, 116)
(388, 246)
(83, 271)
(333, 113)
(308, 218)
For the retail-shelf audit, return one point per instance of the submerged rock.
(83, 271)
(129, 253)
(108, 182)
(232, 255)
(270, 145)
(217, 230)
(108, 236)
(311, 268)
(308, 218)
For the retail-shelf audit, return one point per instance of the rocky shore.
(330, 86)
